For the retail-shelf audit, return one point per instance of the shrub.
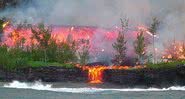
(165, 65)
(41, 63)
(66, 53)
(12, 59)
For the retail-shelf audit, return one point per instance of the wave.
(48, 87)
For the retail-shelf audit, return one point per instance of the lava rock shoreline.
(145, 77)
(158, 78)
(45, 74)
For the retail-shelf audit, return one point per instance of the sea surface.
(38, 90)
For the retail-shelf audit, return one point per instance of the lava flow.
(95, 73)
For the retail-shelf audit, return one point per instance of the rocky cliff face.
(46, 74)
(146, 77)
(124, 78)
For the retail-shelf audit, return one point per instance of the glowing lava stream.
(95, 73)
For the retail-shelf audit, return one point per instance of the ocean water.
(38, 90)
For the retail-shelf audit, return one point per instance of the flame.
(5, 24)
(60, 33)
(175, 50)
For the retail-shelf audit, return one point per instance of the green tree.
(42, 35)
(52, 50)
(66, 52)
(84, 53)
(139, 47)
(153, 29)
(120, 44)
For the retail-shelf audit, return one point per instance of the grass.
(42, 64)
(164, 65)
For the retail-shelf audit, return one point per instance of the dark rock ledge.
(124, 78)
(45, 74)
(147, 77)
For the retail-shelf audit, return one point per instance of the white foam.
(48, 87)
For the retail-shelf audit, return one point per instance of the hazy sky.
(96, 12)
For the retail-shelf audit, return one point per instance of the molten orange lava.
(95, 73)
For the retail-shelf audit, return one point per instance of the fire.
(95, 73)
(60, 33)
(176, 50)
(5, 24)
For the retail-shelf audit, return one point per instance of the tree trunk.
(45, 56)
(154, 54)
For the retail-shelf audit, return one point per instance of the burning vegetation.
(174, 51)
(71, 45)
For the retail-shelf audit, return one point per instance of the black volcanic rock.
(126, 78)
(46, 74)
(146, 77)
(181, 70)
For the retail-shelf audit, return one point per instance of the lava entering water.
(95, 73)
